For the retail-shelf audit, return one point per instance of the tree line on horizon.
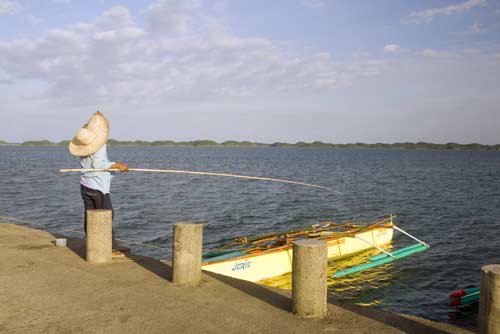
(234, 143)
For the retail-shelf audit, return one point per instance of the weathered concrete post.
(99, 238)
(489, 300)
(186, 259)
(309, 278)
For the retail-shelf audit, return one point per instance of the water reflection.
(363, 288)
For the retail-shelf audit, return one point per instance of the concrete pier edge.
(49, 289)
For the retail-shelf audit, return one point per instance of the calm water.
(450, 199)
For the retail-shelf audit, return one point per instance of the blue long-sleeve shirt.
(97, 180)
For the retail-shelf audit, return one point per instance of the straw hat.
(91, 137)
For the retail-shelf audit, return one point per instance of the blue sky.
(295, 70)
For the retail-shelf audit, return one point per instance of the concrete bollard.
(99, 236)
(186, 259)
(309, 289)
(489, 300)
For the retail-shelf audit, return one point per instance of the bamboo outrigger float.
(258, 258)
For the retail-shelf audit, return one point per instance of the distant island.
(233, 143)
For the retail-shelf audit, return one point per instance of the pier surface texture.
(49, 289)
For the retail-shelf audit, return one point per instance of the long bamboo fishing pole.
(176, 171)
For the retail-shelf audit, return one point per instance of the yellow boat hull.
(275, 262)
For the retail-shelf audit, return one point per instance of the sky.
(266, 71)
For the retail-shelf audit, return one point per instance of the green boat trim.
(381, 256)
(383, 259)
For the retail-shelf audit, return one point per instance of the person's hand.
(121, 166)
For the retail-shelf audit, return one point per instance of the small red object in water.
(458, 293)
(454, 302)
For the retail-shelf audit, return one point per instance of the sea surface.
(450, 199)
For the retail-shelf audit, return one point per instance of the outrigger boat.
(266, 256)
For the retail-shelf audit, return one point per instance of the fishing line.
(176, 171)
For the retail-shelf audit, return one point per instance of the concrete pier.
(186, 250)
(309, 290)
(99, 236)
(48, 289)
(489, 302)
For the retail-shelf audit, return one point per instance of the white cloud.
(114, 60)
(477, 28)
(392, 48)
(312, 3)
(428, 14)
(9, 7)
(170, 16)
(34, 20)
(471, 51)
(114, 18)
(435, 53)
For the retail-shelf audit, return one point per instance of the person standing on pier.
(89, 144)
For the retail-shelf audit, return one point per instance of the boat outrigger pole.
(387, 256)
(176, 171)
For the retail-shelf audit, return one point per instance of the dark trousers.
(94, 199)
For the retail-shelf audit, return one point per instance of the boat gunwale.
(348, 234)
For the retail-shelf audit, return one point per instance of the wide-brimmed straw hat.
(91, 137)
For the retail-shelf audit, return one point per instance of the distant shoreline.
(232, 143)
